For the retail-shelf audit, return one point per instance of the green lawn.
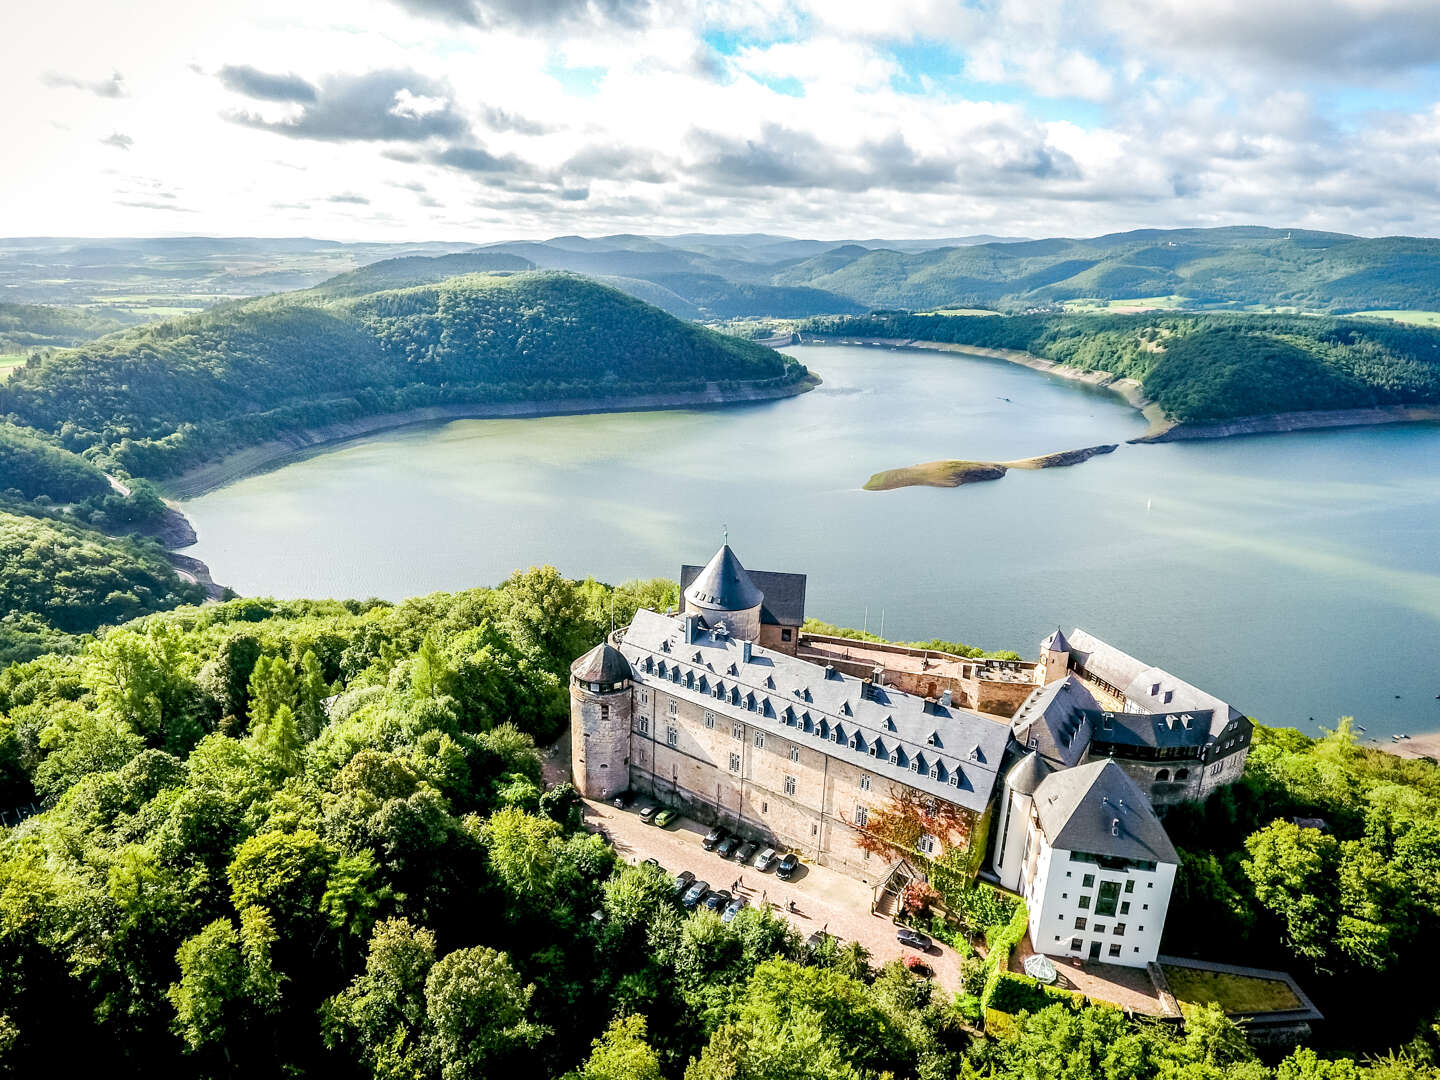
(1083, 306)
(960, 311)
(9, 361)
(1415, 318)
(1234, 993)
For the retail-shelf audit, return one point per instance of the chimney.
(745, 652)
(877, 676)
(1115, 826)
(945, 698)
(690, 619)
(867, 688)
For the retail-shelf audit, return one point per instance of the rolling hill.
(155, 400)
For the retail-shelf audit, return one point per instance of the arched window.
(1182, 774)
(1163, 774)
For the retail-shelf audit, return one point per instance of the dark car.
(913, 938)
(694, 894)
(745, 852)
(713, 837)
(717, 899)
(683, 881)
(786, 867)
(727, 847)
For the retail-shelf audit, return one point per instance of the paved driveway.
(824, 899)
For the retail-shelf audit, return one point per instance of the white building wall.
(1009, 857)
(1065, 909)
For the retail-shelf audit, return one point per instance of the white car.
(765, 859)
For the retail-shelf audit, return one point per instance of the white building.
(1085, 849)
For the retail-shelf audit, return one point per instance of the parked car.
(733, 908)
(913, 938)
(765, 859)
(745, 852)
(817, 939)
(789, 863)
(712, 838)
(664, 817)
(694, 894)
(727, 847)
(717, 899)
(647, 814)
(623, 799)
(683, 881)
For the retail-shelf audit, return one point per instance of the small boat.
(1394, 738)
(1359, 727)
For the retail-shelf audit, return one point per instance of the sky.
(484, 120)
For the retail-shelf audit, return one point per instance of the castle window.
(1079, 922)
(785, 634)
(789, 785)
(735, 763)
(1130, 886)
(894, 757)
(709, 719)
(1088, 881)
(928, 844)
(644, 697)
(737, 731)
(672, 736)
(674, 707)
(934, 772)
(759, 740)
(1076, 944)
(764, 807)
(1114, 950)
(854, 742)
(1182, 774)
(604, 713)
(955, 778)
(915, 765)
(873, 750)
(1085, 903)
(861, 816)
(644, 725)
(1119, 929)
(794, 753)
(1163, 774)
(1125, 905)
(864, 783)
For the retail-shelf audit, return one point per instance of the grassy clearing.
(960, 311)
(1414, 318)
(8, 363)
(1243, 994)
(1144, 303)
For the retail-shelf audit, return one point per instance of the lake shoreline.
(275, 453)
(1162, 428)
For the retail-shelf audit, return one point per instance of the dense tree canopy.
(1203, 366)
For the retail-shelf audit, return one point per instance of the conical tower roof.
(724, 585)
(602, 664)
(1025, 775)
(1056, 642)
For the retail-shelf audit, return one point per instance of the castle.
(728, 711)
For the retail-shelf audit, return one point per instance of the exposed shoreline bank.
(1162, 428)
(294, 446)
(956, 473)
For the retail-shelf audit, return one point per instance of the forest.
(158, 399)
(1202, 367)
(313, 838)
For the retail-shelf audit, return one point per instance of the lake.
(1296, 575)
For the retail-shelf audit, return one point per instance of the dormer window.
(894, 757)
(955, 778)
(1154, 689)
(845, 709)
(854, 743)
(889, 724)
(1169, 696)
(935, 772)
(933, 739)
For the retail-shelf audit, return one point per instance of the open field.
(1233, 993)
(8, 362)
(1414, 318)
(1144, 303)
(960, 311)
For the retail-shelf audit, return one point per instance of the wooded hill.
(1236, 266)
(1204, 366)
(157, 399)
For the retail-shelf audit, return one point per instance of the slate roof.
(1098, 809)
(603, 664)
(724, 584)
(1164, 730)
(806, 702)
(1027, 773)
(1055, 642)
(784, 603)
(1146, 687)
(1054, 721)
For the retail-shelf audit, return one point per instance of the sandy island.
(955, 473)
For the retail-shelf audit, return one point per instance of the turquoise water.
(1297, 575)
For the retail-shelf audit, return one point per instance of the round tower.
(601, 703)
(1054, 657)
(1019, 797)
(724, 592)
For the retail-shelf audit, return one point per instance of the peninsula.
(954, 473)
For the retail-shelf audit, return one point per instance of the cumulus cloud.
(118, 141)
(391, 105)
(265, 86)
(113, 87)
(491, 13)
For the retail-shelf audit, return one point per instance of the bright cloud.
(490, 119)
